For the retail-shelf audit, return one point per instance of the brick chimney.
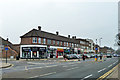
(68, 36)
(39, 28)
(57, 33)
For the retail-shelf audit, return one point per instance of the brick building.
(40, 44)
(12, 49)
(106, 49)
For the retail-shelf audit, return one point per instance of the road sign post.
(6, 49)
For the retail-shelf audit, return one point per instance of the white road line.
(87, 77)
(48, 74)
(73, 68)
(65, 66)
(110, 65)
(34, 77)
(114, 63)
(69, 66)
(35, 68)
(101, 70)
(104, 69)
(51, 66)
(71, 63)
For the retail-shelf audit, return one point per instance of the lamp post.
(100, 41)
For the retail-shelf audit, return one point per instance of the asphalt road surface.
(37, 70)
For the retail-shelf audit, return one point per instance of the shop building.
(40, 44)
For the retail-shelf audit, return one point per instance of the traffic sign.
(6, 48)
(96, 48)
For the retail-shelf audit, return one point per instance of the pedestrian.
(64, 56)
(83, 57)
(100, 57)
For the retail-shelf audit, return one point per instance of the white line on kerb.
(87, 77)
(48, 74)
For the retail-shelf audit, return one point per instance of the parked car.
(72, 56)
(92, 56)
(109, 55)
(87, 55)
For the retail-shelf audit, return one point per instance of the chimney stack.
(7, 39)
(57, 33)
(39, 28)
(73, 37)
(68, 36)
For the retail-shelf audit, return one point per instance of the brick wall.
(26, 40)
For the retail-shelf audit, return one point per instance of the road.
(83, 70)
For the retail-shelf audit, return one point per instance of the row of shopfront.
(43, 51)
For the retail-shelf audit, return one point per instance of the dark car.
(109, 55)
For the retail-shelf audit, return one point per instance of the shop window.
(34, 40)
(44, 41)
(39, 40)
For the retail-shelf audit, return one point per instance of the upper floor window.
(72, 44)
(44, 41)
(39, 40)
(53, 42)
(61, 43)
(64, 43)
(34, 39)
(48, 41)
(57, 42)
(67, 43)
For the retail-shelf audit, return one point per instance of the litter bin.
(17, 57)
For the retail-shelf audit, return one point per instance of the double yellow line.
(106, 74)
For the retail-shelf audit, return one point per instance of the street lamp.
(100, 41)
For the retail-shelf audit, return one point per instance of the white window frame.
(34, 40)
(39, 40)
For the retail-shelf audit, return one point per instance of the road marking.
(35, 68)
(71, 63)
(51, 66)
(48, 74)
(73, 68)
(101, 70)
(65, 66)
(110, 65)
(34, 77)
(114, 63)
(87, 77)
(69, 66)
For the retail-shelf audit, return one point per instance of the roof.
(5, 42)
(43, 34)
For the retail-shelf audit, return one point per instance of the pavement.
(115, 74)
(5, 65)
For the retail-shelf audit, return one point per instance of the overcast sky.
(93, 19)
